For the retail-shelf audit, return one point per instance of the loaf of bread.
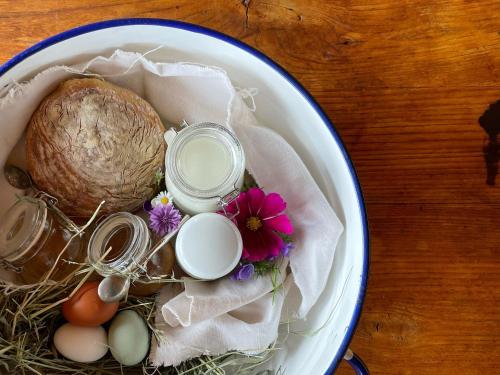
(90, 141)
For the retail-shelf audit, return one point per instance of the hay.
(29, 315)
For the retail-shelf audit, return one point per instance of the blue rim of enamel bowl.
(307, 96)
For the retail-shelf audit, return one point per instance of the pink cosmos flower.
(260, 218)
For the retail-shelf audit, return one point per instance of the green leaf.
(248, 182)
(159, 175)
(285, 237)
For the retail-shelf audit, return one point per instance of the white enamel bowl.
(283, 105)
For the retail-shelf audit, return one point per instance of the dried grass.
(29, 315)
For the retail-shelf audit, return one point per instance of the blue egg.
(128, 338)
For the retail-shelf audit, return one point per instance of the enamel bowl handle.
(356, 363)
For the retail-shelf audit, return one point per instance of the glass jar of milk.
(204, 167)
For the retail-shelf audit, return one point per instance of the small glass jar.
(204, 167)
(33, 235)
(120, 244)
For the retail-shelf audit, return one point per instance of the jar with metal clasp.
(33, 235)
(204, 167)
(121, 245)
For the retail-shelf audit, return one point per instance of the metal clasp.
(47, 198)
(52, 205)
(9, 266)
(171, 133)
(227, 200)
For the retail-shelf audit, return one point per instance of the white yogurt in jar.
(204, 167)
(204, 162)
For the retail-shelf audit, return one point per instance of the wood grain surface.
(405, 82)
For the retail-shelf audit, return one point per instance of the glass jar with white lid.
(204, 167)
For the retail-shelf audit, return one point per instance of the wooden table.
(405, 82)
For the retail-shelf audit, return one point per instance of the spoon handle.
(167, 238)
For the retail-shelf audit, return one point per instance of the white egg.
(81, 344)
(128, 338)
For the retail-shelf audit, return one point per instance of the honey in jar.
(32, 236)
(160, 264)
(121, 244)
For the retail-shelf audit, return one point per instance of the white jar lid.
(208, 246)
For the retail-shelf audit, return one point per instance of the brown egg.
(85, 308)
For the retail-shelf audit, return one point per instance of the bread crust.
(90, 141)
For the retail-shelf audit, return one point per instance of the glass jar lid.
(128, 237)
(21, 228)
(205, 160)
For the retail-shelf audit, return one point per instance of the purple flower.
(243, 272)
(147, 206)
(285, 250)
(164, 219)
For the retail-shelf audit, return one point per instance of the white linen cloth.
(205, 317)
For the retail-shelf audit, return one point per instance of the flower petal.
(244, 272)
(155, 202)
(163, 219)
(241, 204)
(256, 197)
(254, 248)
(273, 205)
(261, 244)
(287, 247)
(245, 254)
(147, 206)
(244, 207)
(280, 223)
(275, 243)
